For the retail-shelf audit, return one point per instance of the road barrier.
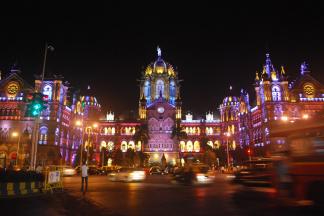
(11, 189)
(53, 178)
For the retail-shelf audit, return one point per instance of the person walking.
(84, 176)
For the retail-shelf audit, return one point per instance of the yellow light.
(95, 125)
(78, 123)
(284, 118)
(228, 134)
(15, 134)
(156, 156)
(305, 116)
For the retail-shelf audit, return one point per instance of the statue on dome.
(159, 51)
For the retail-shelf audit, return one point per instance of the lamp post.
(78, 123)
(95, 125)
(16, 134)
(228, 134)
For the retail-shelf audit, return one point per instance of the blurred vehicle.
(127, 175)
(92, 170)
(257, 172)
(299, 169)
(105, 170)
(197, 174)
(156, 170)
(69, 171)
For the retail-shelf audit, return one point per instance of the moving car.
(194, 175)
(92, 170)
(156, 170)
(258, 172)
(127, 175)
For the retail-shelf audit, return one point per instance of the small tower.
(178, 104)
(142, 110)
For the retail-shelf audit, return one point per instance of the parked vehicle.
(69, 171)
(127, 175)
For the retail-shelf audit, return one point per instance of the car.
(92, 170)
(255, 173)
(156, 170)
(127, 175)
(69, 171)
(194, 175)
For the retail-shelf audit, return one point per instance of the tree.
(117, 157)
(129, 158)
(142, 134)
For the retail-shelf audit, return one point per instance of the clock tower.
(159, 89)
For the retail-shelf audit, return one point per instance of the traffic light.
(36, 104)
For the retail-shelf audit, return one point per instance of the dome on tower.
(230, 100)
(159, 67)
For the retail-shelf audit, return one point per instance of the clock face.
(12, 89)
(309, 90)
(160, 109)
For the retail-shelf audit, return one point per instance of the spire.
(257, 76)
(283, 73)
(158, 51)
(304, 68)
(230, 88)
(88, 87)
(268, 66)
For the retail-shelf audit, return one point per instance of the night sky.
(212, 46)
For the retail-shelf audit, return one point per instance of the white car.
(127, 175)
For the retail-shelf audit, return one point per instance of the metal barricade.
(53, 178)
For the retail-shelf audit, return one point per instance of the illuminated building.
(279, 100)
(66, 124)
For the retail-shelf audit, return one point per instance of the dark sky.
(213, 46)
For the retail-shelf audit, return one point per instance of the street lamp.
(228, 134)
(16, 134)
(37, 119)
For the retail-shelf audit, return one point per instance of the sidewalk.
(51, 205)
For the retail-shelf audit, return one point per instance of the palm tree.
(142, 134)
(178, 133)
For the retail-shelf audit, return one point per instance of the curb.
(15, 189)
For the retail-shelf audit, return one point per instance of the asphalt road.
(158, 196)
(155, 196)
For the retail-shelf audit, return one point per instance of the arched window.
(196, 146)
(217, 144)
(172, 91)
(103, 145)
(147, 90)
(48, 91)
(159, 88)
(182, 146)
(210, 143)
(110, 146)
(189, 146)
(131, 145)
(123, 146)
(276, 94)
(113, 130)
(43, 135)
(138, 146)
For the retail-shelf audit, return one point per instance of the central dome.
(159, 67)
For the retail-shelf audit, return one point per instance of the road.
(157, 196)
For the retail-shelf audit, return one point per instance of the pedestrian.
(84, 176)
(39, 168)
